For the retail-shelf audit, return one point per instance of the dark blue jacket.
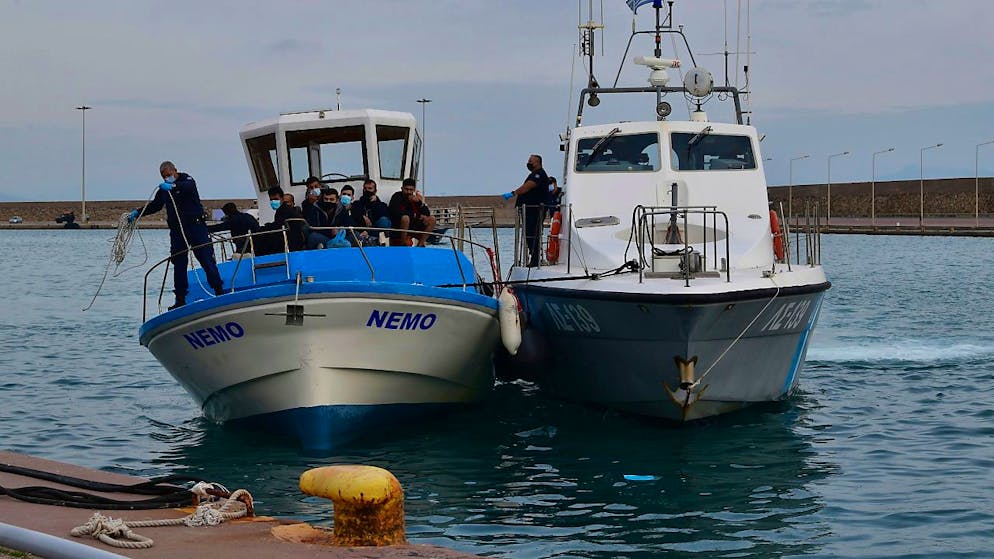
(364, 207)
(184, 192)
(239, 224)
(315, 215)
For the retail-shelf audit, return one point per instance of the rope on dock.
(117, 532)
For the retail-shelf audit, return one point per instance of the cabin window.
(618, 153)
(334, 154)
(391, 141)
(262, 151)
(416, 156)
(711, 152)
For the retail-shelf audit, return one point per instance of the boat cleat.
(689, 390)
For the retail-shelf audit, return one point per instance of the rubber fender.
(510, 323)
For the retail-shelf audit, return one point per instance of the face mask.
(170, 180)
(345, 200)
(316, 192)
(275, 204)
(367, 194)
(530, 167)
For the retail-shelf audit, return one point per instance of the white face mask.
(316, 192)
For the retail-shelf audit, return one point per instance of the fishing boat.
(668, 287)
(323, 346)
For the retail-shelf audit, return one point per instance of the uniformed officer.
(532, 194)
(185, 217)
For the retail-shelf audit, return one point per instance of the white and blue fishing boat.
(326, 345)
(673, 289)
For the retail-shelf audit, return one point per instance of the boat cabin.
(339, 147)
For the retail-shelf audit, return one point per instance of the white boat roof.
(326, 118)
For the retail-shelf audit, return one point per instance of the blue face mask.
(316, 192)
(275, 204)
(170, 180)
(345, 199)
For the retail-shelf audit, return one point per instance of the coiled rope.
(117, 532)
(120, 244)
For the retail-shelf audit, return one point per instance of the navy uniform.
(188, 212)
(534, 201)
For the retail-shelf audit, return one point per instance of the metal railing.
(644, 233)
(811, 231)
(353, 232)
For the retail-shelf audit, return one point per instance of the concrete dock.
(247, 538)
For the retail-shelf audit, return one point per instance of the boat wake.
(902, 351)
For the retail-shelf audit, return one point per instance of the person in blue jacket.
(185, 217)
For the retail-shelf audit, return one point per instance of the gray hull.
(620, 350)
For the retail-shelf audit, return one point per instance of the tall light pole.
(790, 185)
(873, 186)
(82, 109)
(828, 219)
(921, 187)
(424, 145)
(976, 196)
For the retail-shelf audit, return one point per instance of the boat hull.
(621, 350)
(355, 361)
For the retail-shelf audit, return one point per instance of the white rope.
(120, 245)
(116, 532)
(737, 338)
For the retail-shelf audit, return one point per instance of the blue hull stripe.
(325, 428)
(795, 363)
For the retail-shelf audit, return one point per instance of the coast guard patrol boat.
(326, 345)
(672, 289)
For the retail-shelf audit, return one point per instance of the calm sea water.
(887, 450)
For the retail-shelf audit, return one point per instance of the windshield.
(335, 154)
(710, 152)
(618, 153)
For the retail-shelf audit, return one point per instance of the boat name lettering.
(788, 316)
(393, 320)
(572, 318)
(214, 335)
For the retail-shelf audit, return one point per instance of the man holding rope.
(185, 217)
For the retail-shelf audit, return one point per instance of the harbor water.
(886, 449)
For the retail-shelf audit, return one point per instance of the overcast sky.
(177, 79)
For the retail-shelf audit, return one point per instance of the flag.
(634, 4)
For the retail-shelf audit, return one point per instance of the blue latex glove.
(132, 216)
(508, 195)
(166, 186)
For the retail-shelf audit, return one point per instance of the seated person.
(238, 223)
(409, 214)
(340, 217)
(287, 215)
(315, 215)
(370, 211)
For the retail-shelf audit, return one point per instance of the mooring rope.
(118, 532)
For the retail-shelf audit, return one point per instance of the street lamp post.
(921, 186)
(873, 187)
(82, 109)
(790, 185)
(424, 145)
(976, 196)
(828, 218)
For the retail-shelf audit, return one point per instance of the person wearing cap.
(532, 197)
(185, 216)
(238, 224)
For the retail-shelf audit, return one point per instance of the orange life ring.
(777, 235)
(552, 250)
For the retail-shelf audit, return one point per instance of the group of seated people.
(329, 218)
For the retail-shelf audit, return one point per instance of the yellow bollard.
(369, 503)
